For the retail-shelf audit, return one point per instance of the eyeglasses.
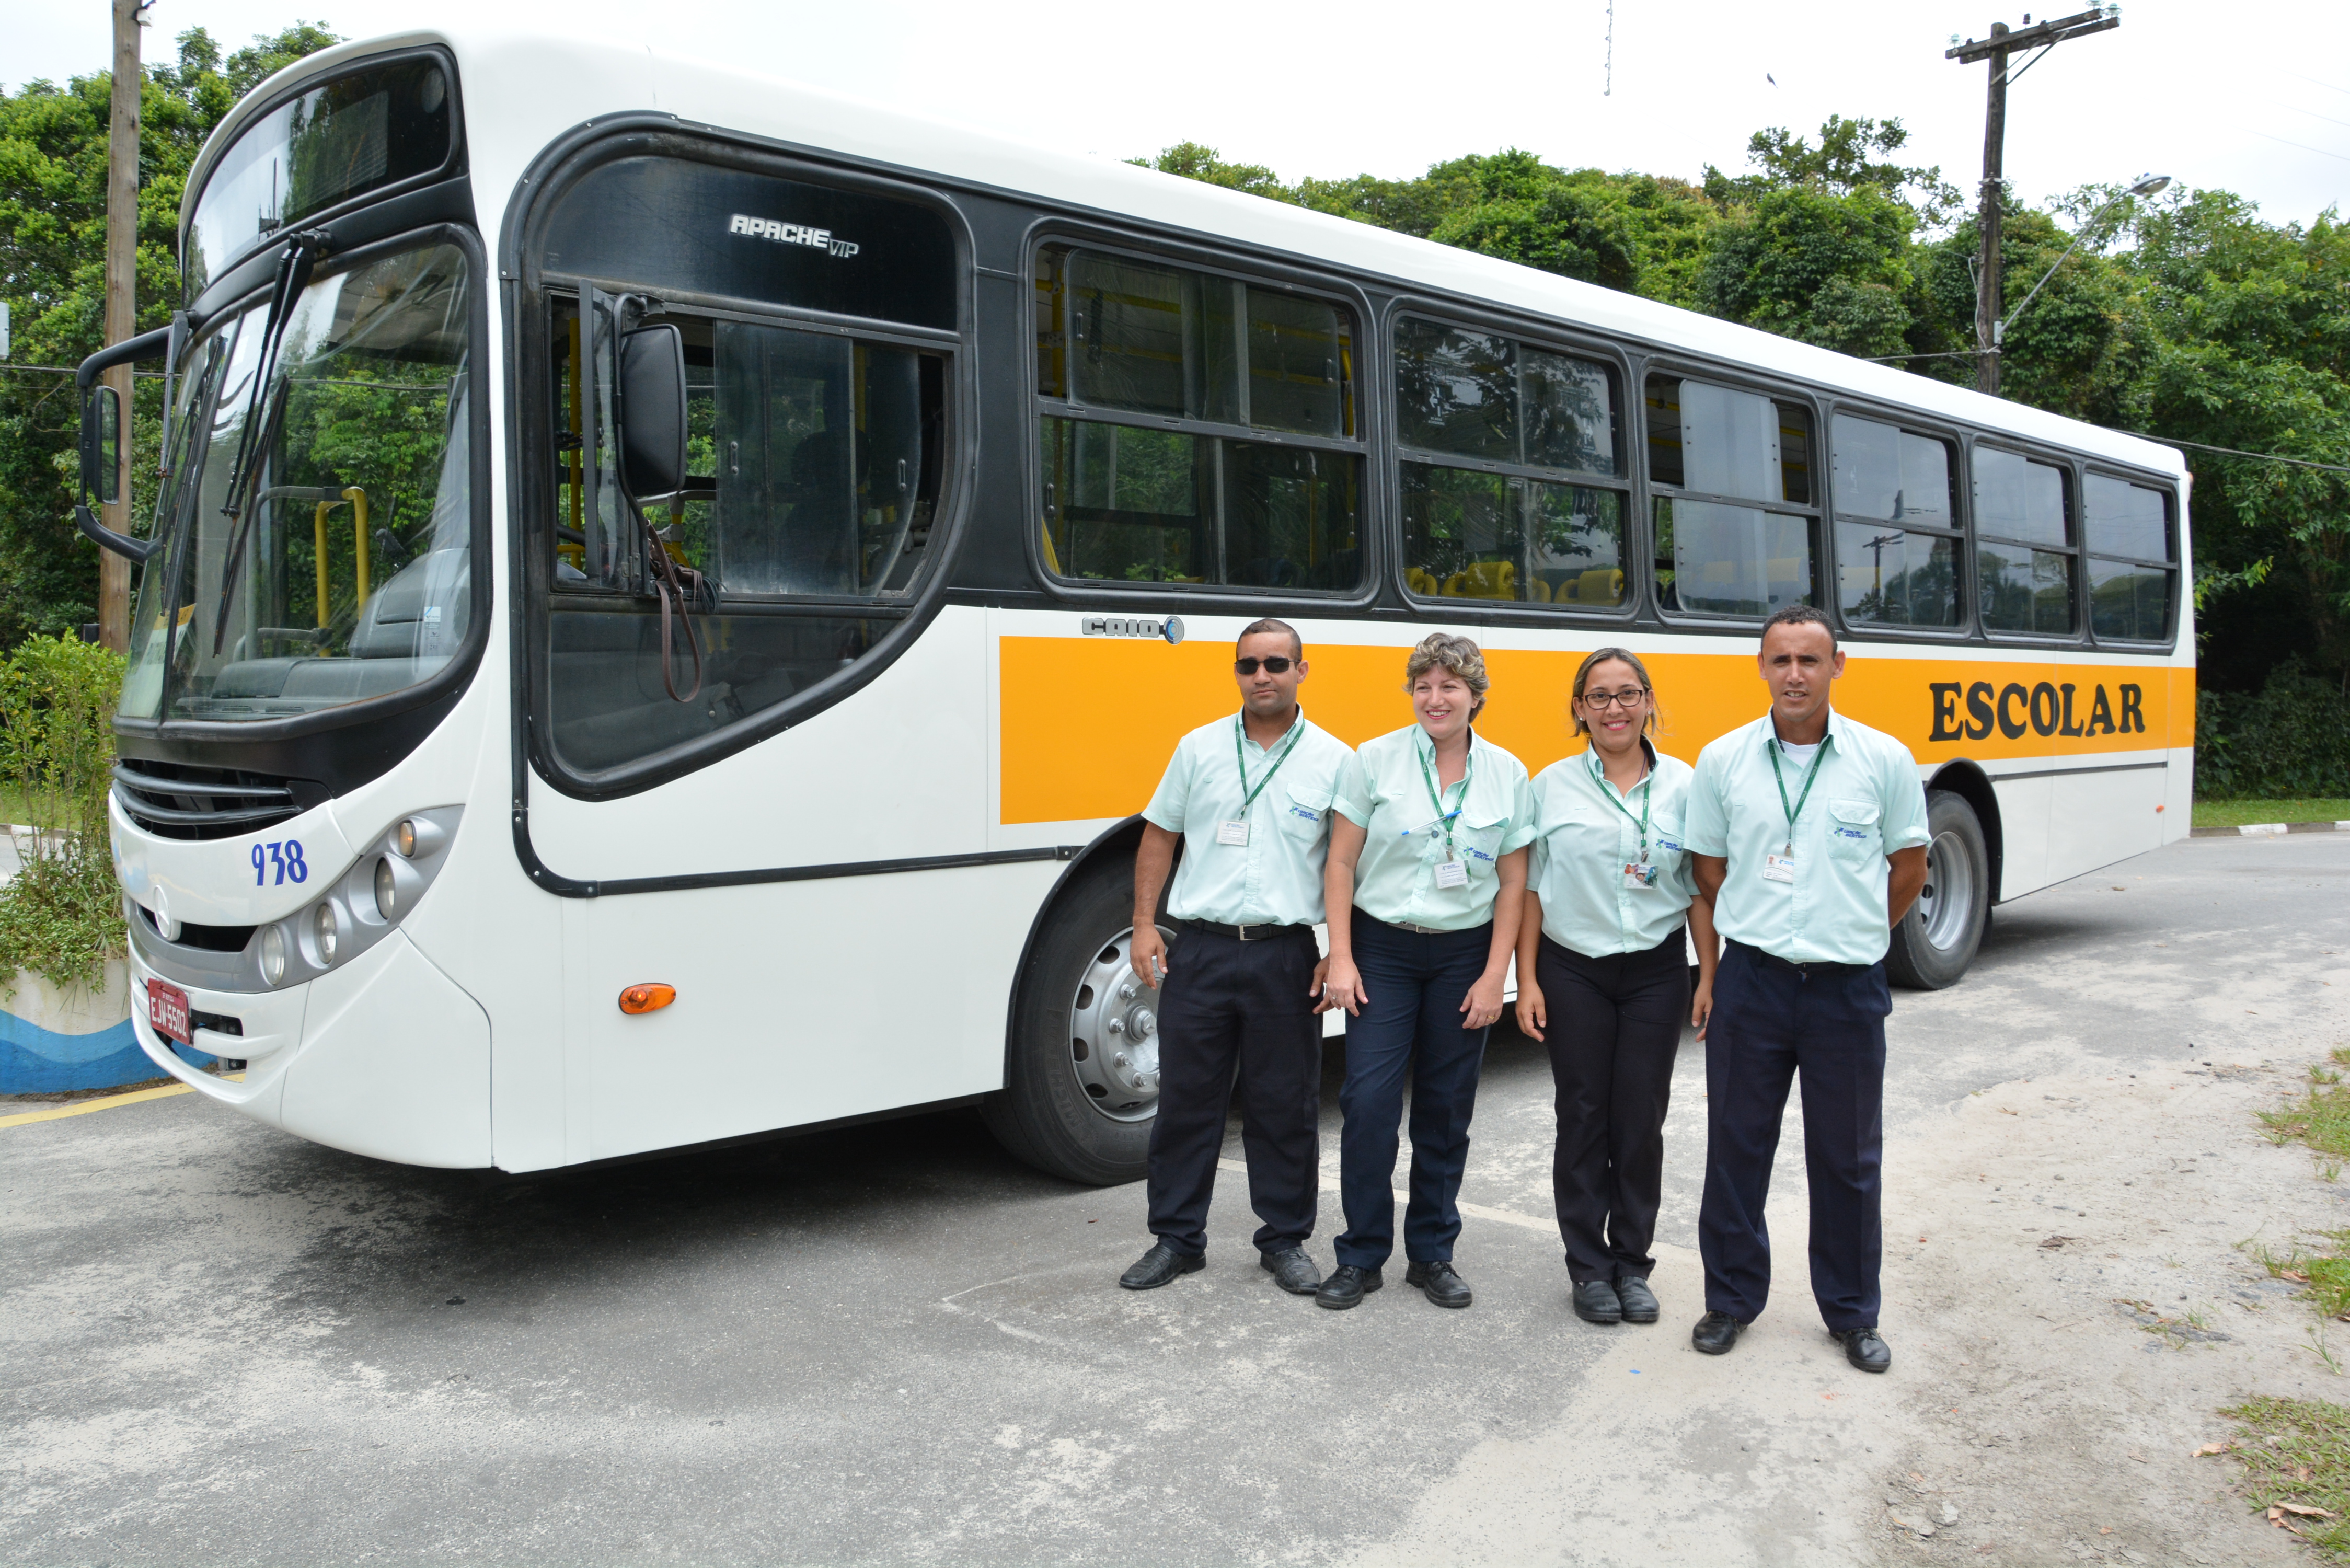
(1274, 666)
(1625, 699)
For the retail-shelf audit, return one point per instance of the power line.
(2314, 115)
(2305, 146)
(2231, 451)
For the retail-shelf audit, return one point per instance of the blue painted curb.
(38, 1061)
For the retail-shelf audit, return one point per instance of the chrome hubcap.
(1114, 1034)
(1946, 905)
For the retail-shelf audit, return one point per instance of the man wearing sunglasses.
(1249, 795)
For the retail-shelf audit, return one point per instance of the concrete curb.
(2268, 829)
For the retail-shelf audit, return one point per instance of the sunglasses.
(1274, 666)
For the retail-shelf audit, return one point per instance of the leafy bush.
(61, 917)
(2291, 739)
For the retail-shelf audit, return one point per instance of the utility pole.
(121, 305)
(1996, 50)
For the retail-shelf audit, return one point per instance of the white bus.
(671, 587)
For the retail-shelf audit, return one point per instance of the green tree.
(53, 165)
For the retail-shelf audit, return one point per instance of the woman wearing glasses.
(1603, 977)
(1424, 887)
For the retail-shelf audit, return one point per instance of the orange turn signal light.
(646, 998)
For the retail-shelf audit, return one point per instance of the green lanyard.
(1810, 775)
(1248, 795)
(1435, 800)
(1648, 790)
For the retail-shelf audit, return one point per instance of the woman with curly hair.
(1424, 887)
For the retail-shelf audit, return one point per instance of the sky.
(1386, 89)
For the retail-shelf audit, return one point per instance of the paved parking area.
(889, 1343)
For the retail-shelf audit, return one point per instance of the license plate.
(167, 1010)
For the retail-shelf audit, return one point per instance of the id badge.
(1453, 874)
(1638, 875)
(1778, 868)
(1235, 833)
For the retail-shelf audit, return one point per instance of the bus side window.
(1897, 529)
(2132, 559)
(1121, 502)
(1726, 544)
(2027, 565)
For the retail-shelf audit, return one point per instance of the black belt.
(1259, 933)
(1816, 966)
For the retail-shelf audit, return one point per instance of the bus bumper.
(385, 1057)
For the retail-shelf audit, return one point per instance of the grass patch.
(2239, 813)
(2322, 1117)
(2296, 1456)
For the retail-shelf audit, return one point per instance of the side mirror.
(101, 445)
(650, 412)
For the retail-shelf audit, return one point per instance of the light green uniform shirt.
(1865, 804)
(1384, 790)
(1586, 833)
(1274, 879)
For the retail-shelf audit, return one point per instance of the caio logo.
(2044, 708)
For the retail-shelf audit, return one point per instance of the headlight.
(387, 891)
(273, 954)
(322, 928)
(403, 839)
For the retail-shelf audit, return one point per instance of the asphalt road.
(892, 1344)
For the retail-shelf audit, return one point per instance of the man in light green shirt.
(1248, 798)
(1809, 834)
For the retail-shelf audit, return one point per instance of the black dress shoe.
(1439, 1284)
(1347, 1286)
(1715, 1333)
(1864, 1349)
(1594, 1301)
(1159, 1265)
(1640, 1300)
(1292, 1270)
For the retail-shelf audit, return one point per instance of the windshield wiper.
(293, 269)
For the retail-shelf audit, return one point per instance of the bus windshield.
(325, 557)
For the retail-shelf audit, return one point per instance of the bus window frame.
(1816, 511)
(2069, 466)
(253, 110)
(430, 699)
(1048, 231)
(2089, 468)
(1955, 439)
(530, 288)
(1629, 480)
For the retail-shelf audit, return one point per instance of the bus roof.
(521, 89)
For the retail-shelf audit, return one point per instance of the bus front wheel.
(1081, 1085)
(1937, 940)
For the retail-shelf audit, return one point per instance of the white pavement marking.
(1474, 1211)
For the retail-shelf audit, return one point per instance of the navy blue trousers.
(1771, 1023)
(1229, 1009)
(1409, 1030)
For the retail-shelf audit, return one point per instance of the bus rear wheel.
(1081, 1087)
(1937, 940)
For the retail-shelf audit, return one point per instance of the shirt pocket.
(1855, 832)
(1304, 810)
(1665, 849)
(1479, 841)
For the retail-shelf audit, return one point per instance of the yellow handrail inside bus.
(357, 499)
(319, 545)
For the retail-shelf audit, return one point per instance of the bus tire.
(1937, 940)
(1080, 1096)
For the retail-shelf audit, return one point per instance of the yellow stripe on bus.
(1058, 768)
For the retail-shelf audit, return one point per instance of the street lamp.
(2147, 185)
